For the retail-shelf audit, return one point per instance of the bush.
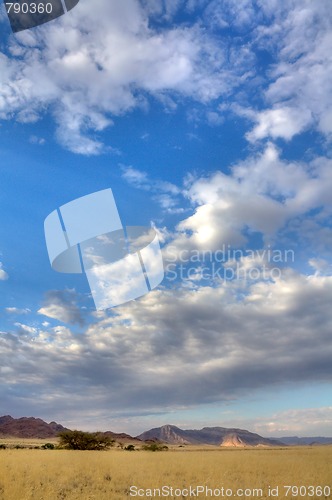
(155, 447)
(3, 446)
(130, 447)
(79, 440)
(48, 446)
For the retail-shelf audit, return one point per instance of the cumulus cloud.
(179, 348)
(61, 305)
(101, 61)
(263, 194)
(282, 122)
(298, 93)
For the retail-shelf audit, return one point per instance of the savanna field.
(36, 474)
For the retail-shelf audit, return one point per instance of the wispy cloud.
(17, 311)
(303, 422)
(62, 306)
(34, 139)
(167, 194)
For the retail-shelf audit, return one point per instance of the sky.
(210, 120)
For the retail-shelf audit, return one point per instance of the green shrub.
(48, 446)
(130, 447)
(155, 447)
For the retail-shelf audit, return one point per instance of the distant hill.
(122, 437)
(28, 427)
(218, 436)
(305, 441)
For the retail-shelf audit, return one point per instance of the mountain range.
(305, 441)
(217, 436)
(30, 427)
(36, 428)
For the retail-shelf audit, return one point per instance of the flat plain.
(35, 474)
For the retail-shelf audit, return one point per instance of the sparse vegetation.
(130, 447)
(74, 475)
(155, 447)
(79, 440)
(48, 446)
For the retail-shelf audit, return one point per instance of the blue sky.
(211, 120)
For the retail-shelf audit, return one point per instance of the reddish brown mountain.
(28, 427)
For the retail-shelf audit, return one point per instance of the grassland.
(57, 474)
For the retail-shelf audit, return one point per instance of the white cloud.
(16, 310)
(101, 61)
(237, 14)
(303, 421)
(282, 122)
(140, 180)
(31, 330)
(3, 275)
(321, 266)
(40, 141)
(298, 92)
(165, 193)
(263, 194)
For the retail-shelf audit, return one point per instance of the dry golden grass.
(56, 474)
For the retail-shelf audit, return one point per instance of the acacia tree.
(79, 440)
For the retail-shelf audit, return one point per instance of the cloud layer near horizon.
(175, 349)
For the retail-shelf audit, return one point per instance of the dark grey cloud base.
(170, 350)
(26, 14)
